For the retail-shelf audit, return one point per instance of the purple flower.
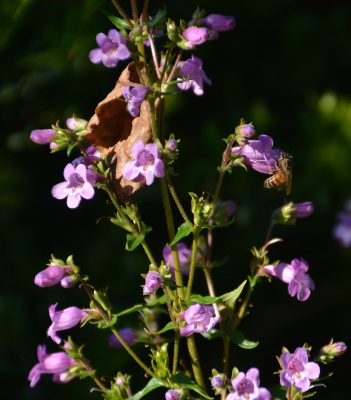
(297, 371)
(79, 184)
(134, 96)
(199, 318)
(128, 335)
(192, 75)
(173, 394)
(171, 145)
(57, 364)
(76, 124)
(219, 23)
(112, 48)
(218, 381)
(146, 164)
(184, 255)
(195, 36)
(52, 275)
(42, 136)
(153, 281)
(295, 275)
(64, 319)
(246, 387)
(342, 231)
(303, 210)
(92, 155)
(259, 154)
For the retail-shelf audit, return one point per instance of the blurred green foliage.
(286, 67)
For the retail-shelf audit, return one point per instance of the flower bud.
(219, 23)
(153, 281)
(171, 145)
(76, 124)
(332, 350)
(42, 136)
(245, 130)
(217, 381)
(173, 394)
(303, 210)
(51, 276)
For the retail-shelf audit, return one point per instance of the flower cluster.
(199, 318)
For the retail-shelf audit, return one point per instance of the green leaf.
(130, 310)
(197, 298)
(160, 300)
(118, 22)
(133, 241)
(185, 382)
(239, 339)
(183, 231)
(213, 334)
(158, 18)
(167, 327)
(151, 385)
(231, 297)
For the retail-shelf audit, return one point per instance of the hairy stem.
(195, 361)
(192, 264)
(84, 363)
(177, 201)
(123, 14)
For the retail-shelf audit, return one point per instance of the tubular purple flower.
(112, 48)
(342, 230)
(173, 394)
(64, 319)
(52, 275)
(42, 136)
(219, 23)
(246, 387)
(195, 36)
(128, 335)
(199, 318)
(79, 184)
(334, 349)
(295, 275)
(297, 371)
(56, 364)
(192, 75)
(146, 164)
(134, 96)
(153, 281)
(259, 154)
(303, 210)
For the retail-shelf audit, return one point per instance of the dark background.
(286, 67)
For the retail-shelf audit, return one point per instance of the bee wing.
(288, 183)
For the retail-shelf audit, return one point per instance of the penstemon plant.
(124, 148)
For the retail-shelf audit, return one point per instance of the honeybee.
(281, 177)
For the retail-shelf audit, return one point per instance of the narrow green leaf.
(118, 22)
(231, 297)
(133, 241)
(131, 310)
(151, 385)
(183, 231)
(239, 339)
(158, 18)
(160, 300)
(197, 298)
(185, 382)
(166, 328)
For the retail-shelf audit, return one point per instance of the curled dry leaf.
(114, 131)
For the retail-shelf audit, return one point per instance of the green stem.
(195, 361)
(107, 319)
(175, 352)
(123, 14)
(192, 264)
(177, 201)
(92, 375)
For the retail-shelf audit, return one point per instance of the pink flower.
(192, 75)
(195, 36)
(42, 136)
(79, 184)
(146, 164)
(153, 281)
(184, 255)
(219, 23)
(295, 275)
(246, 387)
(199, 318)
(112, 48)
(62, 320)
(57, 364)
(297, 371)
